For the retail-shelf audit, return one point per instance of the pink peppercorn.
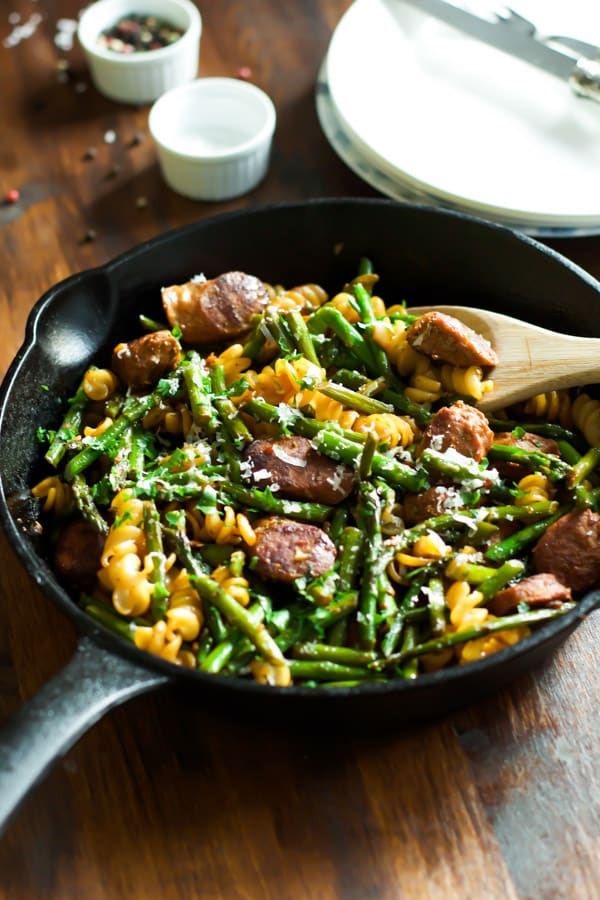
(12, 196)
(244, 72)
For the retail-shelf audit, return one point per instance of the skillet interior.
(422, 256)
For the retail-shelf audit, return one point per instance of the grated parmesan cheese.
(281, 454)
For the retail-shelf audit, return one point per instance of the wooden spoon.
(532, 360)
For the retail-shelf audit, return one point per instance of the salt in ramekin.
(141, 77)
(213, 137)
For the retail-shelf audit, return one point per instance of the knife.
(582, 74)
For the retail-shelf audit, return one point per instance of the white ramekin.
(141, 77)
(213, 137)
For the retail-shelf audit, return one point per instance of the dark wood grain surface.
(164, 799)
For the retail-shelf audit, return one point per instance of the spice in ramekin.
(138, 33)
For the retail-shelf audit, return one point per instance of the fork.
(512, 19)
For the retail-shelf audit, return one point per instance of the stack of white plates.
(424, 113)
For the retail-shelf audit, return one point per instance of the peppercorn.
(137, 33)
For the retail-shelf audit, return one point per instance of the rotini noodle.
(305, 297)
(424, 388)
(554, 406)
(391, 336)
(235, 585)
(158, 639)
(124, 572)
(227, 527)
(185, 614)
(176, 420)
(98, 429)
(233, 361)
(99, 384)
(57, 495)
(468, 381)
(586, 416)
(533, 488)
(387, 428)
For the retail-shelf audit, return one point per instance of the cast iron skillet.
(423, 256)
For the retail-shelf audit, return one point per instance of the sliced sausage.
(445, 338)
(528, 441)
(432, 502)
(214, 310)
(570, 549)
(77, 554)
(543, 589)
(286, 550)
(460, 427)
(144, 361)
(297, 470)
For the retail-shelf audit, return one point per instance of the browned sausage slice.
(432, 502)
(77, 554)
(543, 589)
(570, 549)
(215, 310)
(293, 467)
(445, 338)
(527, 441)
(460, 427)
(286, 550)
(144, 361)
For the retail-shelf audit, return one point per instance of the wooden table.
(159, 800)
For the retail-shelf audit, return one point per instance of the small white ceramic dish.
(141, 77)
(213, 137)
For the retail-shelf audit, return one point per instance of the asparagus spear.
(344, 655)
(301, 336)
(154, 546)
(267, 502)
(85, 503)
(133, 410)
(198, 384)
(71, 426)
(518, 620)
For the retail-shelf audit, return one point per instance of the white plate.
(464, 123)
(397, 188)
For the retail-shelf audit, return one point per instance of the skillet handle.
(48, 724)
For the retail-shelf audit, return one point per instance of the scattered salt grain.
(65, 31)
(22, 32)
(110, 136)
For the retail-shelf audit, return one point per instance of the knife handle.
(585, 79)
